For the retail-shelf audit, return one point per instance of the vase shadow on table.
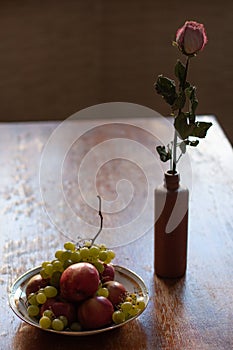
(130, 335)
(169, 309)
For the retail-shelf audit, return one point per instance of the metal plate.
(17, 298)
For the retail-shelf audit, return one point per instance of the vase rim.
(171, 173)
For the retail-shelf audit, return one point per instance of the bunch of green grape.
(98, 255)
(132, 305)
(49, 321)
(35, 300)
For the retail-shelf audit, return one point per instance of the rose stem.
(182, 87)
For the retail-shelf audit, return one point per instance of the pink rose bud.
(191, 38)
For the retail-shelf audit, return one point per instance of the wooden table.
(195, 312)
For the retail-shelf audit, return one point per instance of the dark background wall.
(57, 56)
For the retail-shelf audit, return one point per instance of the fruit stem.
(101, 222)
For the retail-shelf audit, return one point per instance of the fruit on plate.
(79, 282)
(77, 290)
(95, 312)
(108, 273)
(116, 292)
(35, 283)
(77, 296)
(59, 308)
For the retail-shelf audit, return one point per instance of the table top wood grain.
(194, 312)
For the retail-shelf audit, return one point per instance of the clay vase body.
(171, 228)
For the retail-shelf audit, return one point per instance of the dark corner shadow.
(31, 338)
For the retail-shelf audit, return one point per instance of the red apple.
(79, 282)
(60, 308)
(68, 310)
(108, 274)
(117, 292)
(95, 313)
(35, 283)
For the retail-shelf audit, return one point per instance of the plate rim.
(32, 272)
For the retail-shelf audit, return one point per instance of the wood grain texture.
(195, 312)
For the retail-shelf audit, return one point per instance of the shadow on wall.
(57, 57)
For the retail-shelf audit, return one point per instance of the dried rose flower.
(191, 38)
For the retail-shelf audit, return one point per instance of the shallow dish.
(17, 298)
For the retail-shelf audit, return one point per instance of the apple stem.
(101, 222)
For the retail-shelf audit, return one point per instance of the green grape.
(67, 263)
(126, 306)
(64, 320)
(108, 260)
(48, 269)
(48, 313)
(99, 266)
(58, 254)
(32, 299)
(33, 310)
(65, 255)
(57, 266)
(134, 311)
(45, 263)
(45, 322)
(69, 246)
(94, 251)
(43, 273)
(57, 324)
(103, 292)
(84, 252)
(141, 304)
(75, 256)
(75, 326)
(118, 317)
(41, 298)
(50, 291)
(55, 279)
(103, 255)
(87, 244)
(102, 247)
(111, 254)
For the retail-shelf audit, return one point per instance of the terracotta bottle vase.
(171, 227)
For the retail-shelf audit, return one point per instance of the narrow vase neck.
(171, 180)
